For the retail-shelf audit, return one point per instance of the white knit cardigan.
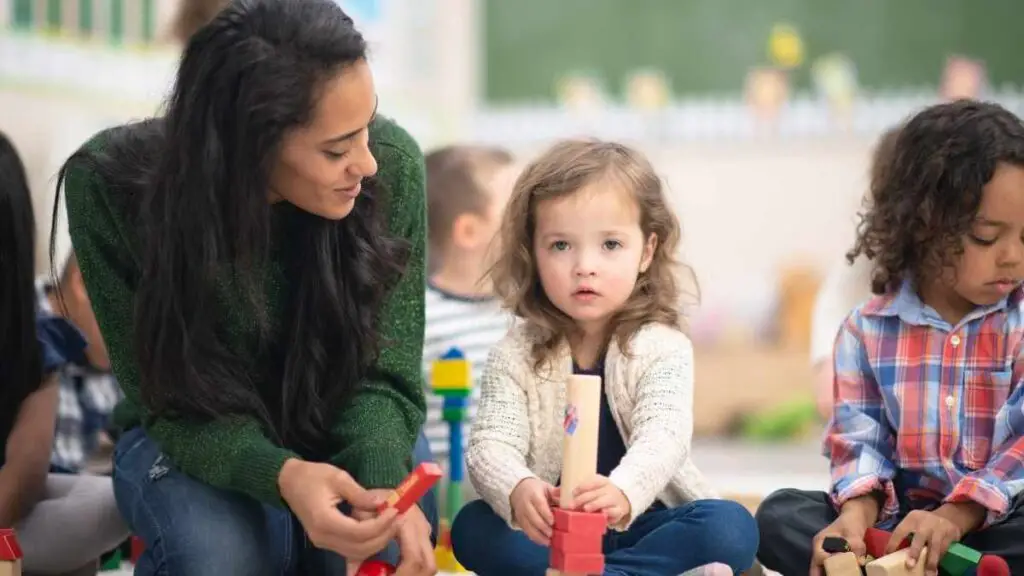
(517, 432)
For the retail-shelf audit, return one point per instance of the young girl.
(63, 522)
(926, 437)
(588, 243)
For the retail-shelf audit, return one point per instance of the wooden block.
(577, 563)
(10, 553)
(958, 559)
(579, 446)
(577, 543)
(876, 540)
(10, 568)
(575, 522)
(842, 564)
(895, 564)
(993, 566)
(413, 487)
(835, 545)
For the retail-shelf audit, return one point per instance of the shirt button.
(955, 340)
(950, 401)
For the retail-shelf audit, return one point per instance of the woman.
(63, 522)
(261, 296)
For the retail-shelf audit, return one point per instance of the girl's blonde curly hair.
(563, 170)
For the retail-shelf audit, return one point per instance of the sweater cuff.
(639, 500)
(256, 472)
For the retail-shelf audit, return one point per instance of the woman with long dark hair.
(259, 282)
(63, 522)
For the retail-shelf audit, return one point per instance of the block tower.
(451, 379)
(576, 540)
(10, 553)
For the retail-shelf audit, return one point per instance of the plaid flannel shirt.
(86, 401)
(927, 412)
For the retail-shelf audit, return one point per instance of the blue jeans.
(662, 541)
(191, 528)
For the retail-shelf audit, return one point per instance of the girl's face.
(589, 250)
(322, 165)
(992, 263)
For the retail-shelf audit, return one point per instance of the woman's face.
(322, 165)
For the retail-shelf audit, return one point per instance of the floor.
(744, 471)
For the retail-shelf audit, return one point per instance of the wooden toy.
(576, 544)
(835, 545)
(451, 379)
(895, 564)
(375, 568)
(10, 553)
(842, 564)
(993, 566)
(876, 540)
(412, 488)
(959, 560)
(138, 547)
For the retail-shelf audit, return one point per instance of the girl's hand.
(531, 506)
(314, 490)
(600, 495)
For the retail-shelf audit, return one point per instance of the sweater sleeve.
(231, 453)
(661, 423)
(500, 438)
(378, 429)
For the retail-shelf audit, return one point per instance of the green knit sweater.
(375, 431)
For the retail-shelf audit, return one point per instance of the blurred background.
(761, 116)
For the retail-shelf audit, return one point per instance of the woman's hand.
(414, 530)
(314, 490)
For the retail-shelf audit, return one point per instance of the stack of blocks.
(959, 560)
(576, 543)
(10, 553)
(451, 379)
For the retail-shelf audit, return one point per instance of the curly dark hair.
(926, 187)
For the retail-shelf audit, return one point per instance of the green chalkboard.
(707, 46)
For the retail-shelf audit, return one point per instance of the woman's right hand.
(313, 491)
(850, 527)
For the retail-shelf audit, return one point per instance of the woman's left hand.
(415, 548)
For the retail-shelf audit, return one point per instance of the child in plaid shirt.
(927, 433)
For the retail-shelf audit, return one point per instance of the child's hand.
(850, 527)
(599, 495)
(531, 506)
(932, 529)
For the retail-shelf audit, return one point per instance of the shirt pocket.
(984, 394)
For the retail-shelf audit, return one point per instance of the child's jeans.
(789, 519)
(189, 527)
(662, 541)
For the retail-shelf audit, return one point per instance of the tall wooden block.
(580, 423)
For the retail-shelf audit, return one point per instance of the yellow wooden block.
(451, 375)
(446, 562)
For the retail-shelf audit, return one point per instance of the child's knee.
(736, 536)
(472, 521)
(772, 514)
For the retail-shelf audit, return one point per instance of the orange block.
(413, 487)
(577, 563)
(576, 543)
(576, 522)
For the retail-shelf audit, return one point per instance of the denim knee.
(772, 514)
(731, 535)
(471, 524)
(189, 527)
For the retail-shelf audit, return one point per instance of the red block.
(576, 522)
(137, 548)
(9, 548)
(577, 563)
(576, 543)
(413, 487)
(876, 539)
(993, 566)
(375, 568)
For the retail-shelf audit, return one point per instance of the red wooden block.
(576, 543)
(9, 548)
(413, 487)
(137, 548)
(576, 522)
(375, 568)
(876, 539)
(993, 566)
(577, 563)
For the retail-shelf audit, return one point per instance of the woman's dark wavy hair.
(926, 187)
(21, 364)
(198, 178)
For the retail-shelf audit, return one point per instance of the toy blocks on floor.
(842, 564)
(10, 553)
(577, 522)
(576, 542)
(895, 564)
(412, 488)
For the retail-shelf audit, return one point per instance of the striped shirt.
(927, 412)
(472, 325)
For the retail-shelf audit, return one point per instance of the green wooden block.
(452, 392)
(958, 560)
(113, 562)
(453, 414)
